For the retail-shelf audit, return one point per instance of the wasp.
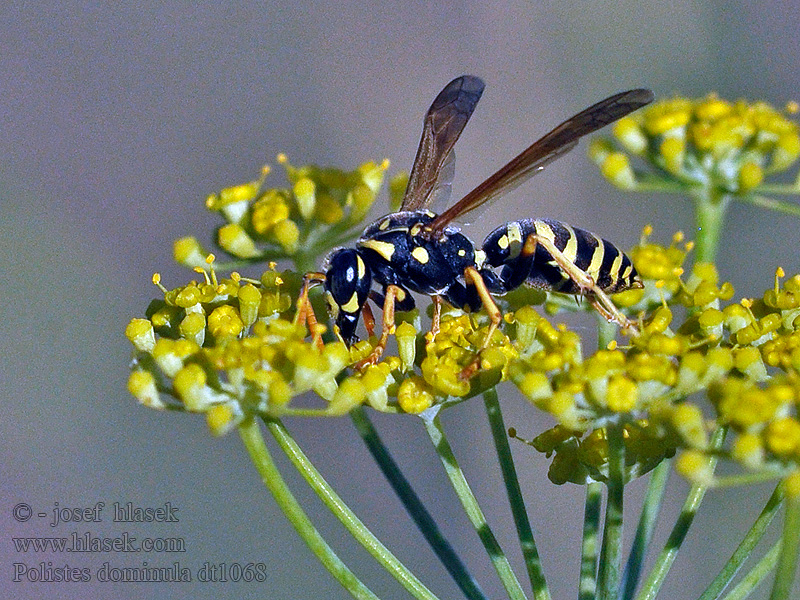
(416, 250)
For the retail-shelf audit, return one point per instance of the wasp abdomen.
(521, 249)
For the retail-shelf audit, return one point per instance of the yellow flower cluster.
(229, 348)
(232, 347)
(650, 387)
(318, 209)
(226, 349)
(708, 142)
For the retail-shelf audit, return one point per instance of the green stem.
(790, 545)
(471, 507)
(710, 206)
(667, 556)
(610, 575)
(416, 509)
(745, 479)
(517, 502)
(756, 575)
(645, 528)
(788, 208)
(606, 332)
(259, 454)
(345, 515)
(779, 188)
(745, 549)
(587, 587)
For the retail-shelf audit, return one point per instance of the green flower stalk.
(706, 377)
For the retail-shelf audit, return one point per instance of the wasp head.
(347, 284)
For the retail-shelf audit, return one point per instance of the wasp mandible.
(415, 250)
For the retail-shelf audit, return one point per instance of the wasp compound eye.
(347, 284)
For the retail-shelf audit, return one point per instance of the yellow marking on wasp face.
(513, 239)
(415, 229)
(333, 308)
(597, 259)
(351, 305)
(385, 249)
(503, 242)
(384, 225)
(420, 254)
(362, 268)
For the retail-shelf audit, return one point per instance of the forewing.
(553, 145)
(444, 123)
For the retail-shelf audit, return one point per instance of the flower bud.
(414, 396)
(142, 386)
(617, 169)
(141, 335)
(304, 191)
(234, 240)
(193, 327)
(188, 252)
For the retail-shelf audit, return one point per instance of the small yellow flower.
(142, 386)
(141, 335)
(414, 395)
(696, 467)
(617, 169)
(234, 240)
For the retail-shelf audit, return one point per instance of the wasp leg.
(369, 319)
(387, 327)
(473, 276)
(597, 297)
(305, 311)
(436, 319)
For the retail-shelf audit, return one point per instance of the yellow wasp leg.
(387, 327)
(305, 311)
(471, 275)
(597, 297)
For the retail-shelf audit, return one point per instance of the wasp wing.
(553, 145)
(444, 123)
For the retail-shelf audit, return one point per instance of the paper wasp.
(415, 250)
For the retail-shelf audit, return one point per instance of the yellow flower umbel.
(707, 142)
(227, 348)
(711, 149)
(651, 390)
(319, 209)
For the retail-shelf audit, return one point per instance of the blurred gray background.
(117, 121)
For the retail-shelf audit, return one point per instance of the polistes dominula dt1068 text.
(415, 250)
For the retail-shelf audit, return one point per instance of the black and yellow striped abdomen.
(512, 247)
